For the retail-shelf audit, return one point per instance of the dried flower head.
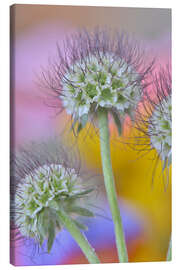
(45, 185)
(155, 121)
(98, 70)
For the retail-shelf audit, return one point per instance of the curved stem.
(110, 185)
(79, 237)
(169, 253)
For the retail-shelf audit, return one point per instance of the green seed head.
(102, 80)
(98, 69)
(160, 129)
(45, 191)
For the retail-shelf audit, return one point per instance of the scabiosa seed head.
(154, 121)
(98, 70)
(160, 129)
(44, 190)
(41, 191)
(102, 80)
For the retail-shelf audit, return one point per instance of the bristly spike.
(154, 120)
(98, 69)
(45, 183)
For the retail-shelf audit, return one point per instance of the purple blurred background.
(35, 30)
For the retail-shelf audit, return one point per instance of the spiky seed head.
(98, 69)
(160, 125)
(154, 118)
(43, 187)
(102, 80)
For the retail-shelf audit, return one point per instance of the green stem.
(169, 253)
(110, 185)
(79, 237)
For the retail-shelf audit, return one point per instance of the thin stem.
(110, 185)
(79, 237)
(169, 253)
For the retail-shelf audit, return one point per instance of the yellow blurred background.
(133, 175)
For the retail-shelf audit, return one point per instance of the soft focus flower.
(160, 129)
(43, 191)
(155, 121)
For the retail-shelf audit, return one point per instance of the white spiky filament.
(100, 80)
(39, 192)
(160, 130)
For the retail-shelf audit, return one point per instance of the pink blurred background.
(35, 30)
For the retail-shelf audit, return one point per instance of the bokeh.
(144, 201)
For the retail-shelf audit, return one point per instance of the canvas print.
(90, 135)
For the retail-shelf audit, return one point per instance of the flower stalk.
(96, 74)
(48, 195)
(110, 185)
(169, 253)
(79, 237)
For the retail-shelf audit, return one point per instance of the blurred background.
(145, 206)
